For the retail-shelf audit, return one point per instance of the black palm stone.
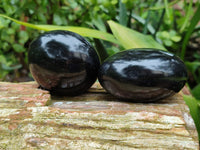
(143, 75)
(63, 62)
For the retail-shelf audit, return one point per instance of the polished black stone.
(143, 75)
(63, 62)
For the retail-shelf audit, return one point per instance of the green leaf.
(167, 8)
(9, 68)
(114, 2)
(132, 39)
(5, 46)
(57, 19)
(2, 59)
(18, 48)
(80, 30)
(165, 34)
(172, 33)
(168, 42)
(9, 9)
(112, 50)
(162, 7)
(6, 65)
(23, 37)
(4, 22)
(195, 19)
(142, 21)
(101, 50)
(192, 66)
(10, 31)
(196, 91)
(98, 22)
(6, 37)
(149, 14)
(123, 17)
(187, 17)
(176, 38)
(194, 110)
(124, 1)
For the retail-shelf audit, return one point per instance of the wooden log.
(31, 119)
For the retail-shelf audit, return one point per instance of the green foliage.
(133, 39)
(195, 19)
(193, 105)
(195, 91)
(80, 30)
(15, 38)
(125, 36)
(169, 38)
(194, 68)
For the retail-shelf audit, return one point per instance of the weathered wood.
(94, 120)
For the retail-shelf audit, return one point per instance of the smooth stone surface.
(63, 62)
(143, 75)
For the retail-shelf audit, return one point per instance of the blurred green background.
(172, 23)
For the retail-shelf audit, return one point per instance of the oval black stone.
(143, 75)
(63, 62)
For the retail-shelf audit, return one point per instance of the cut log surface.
(30, 118)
